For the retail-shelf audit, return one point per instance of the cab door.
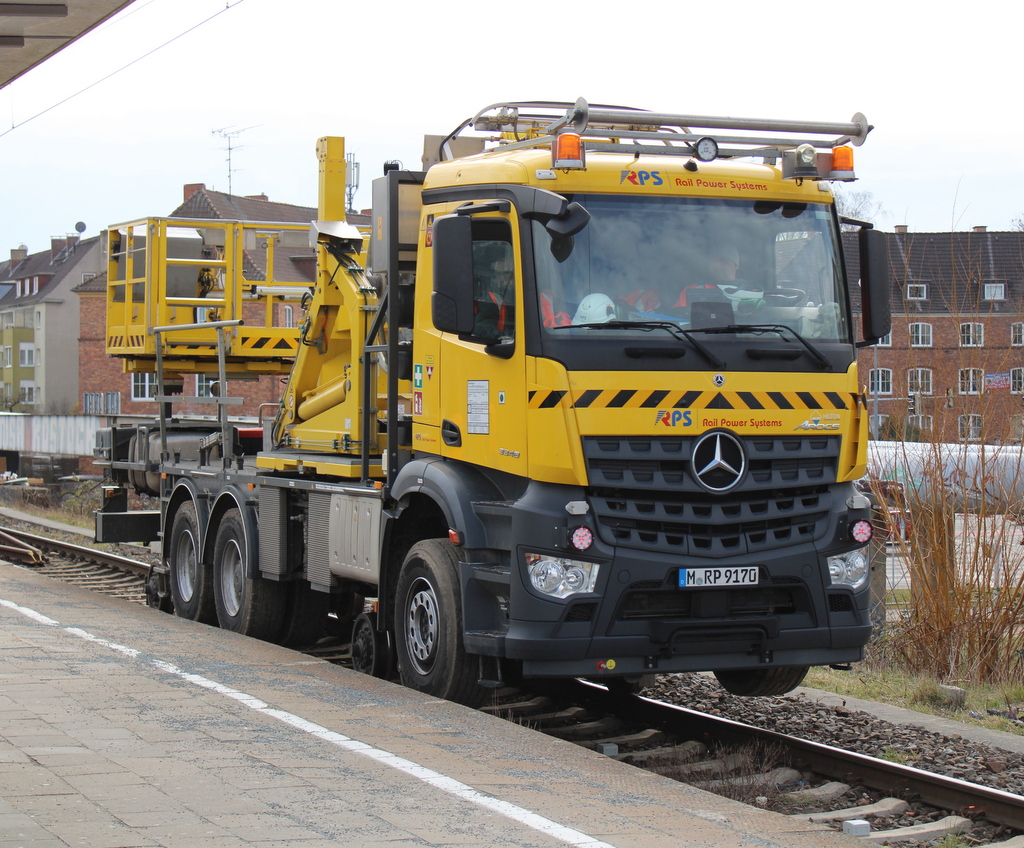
(479, 375)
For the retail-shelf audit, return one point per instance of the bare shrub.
(965, 561)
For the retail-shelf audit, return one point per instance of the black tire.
(750, 682)
(190, 577)
(432, 657)
(305, 615)
(371, 649)
(250, 606)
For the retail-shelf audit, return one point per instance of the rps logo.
(639, 178)
(672, 418)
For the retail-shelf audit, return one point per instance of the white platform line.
(532, 820)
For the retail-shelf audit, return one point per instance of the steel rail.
(121, 563)
(949, 793)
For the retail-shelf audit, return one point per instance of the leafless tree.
(860, 205)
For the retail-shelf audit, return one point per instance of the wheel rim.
(186, 565)
(421, 626)
(232, 578)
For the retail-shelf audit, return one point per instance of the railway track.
(825, 784)
(759, 766)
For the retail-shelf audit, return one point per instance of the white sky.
(940, 89)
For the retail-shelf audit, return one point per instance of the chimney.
(901, 229)
(980, 229)
(192, 188)
(57, 244)
(18, 255)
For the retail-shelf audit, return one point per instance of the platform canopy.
(33, 31)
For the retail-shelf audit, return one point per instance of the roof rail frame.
(536, 129)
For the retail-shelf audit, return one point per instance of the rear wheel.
(428, 626)
(250, 606)
(190, 578)
(762, 681)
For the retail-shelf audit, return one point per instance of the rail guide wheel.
(371, 648)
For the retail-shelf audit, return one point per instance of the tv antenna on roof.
(231, 134)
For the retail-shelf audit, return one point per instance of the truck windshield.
(697, 263)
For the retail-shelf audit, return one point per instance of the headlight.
(850, 569)
(559, 577)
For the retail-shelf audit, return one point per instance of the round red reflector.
(582, 538)
(861, 531)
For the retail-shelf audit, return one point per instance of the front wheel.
(750, 682)
(250, 606)
(428, 626)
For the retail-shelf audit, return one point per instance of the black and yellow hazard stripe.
(266, 344)
(676, 399)
(126, 341)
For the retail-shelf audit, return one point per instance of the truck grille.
(644, 495)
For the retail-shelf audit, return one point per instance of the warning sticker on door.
(478, 413)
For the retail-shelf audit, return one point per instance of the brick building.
(107, 389)
(953, 366)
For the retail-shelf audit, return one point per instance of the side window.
(494, 280)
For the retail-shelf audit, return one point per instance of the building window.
(26, 355)
(972, 335)
(204, 385)
(921, 335)
(880, 381)
(919, 381)
(87, 275)
(971, 381)
(1017, 334)
(1017, 381)
(143, 386)
(994, 291)
(969, 427)
(917, 291)
(922, 422)
(885, 341)
(289, 316)
(7, 356)
(27, 392)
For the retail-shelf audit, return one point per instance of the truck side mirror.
(875, 302)
(451, 302)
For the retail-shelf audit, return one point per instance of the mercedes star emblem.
(718, 461)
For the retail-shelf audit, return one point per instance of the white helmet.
(595, 309)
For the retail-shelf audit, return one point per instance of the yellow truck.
(583, 402)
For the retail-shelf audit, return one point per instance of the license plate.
(690, 577)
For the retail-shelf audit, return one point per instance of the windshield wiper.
(781, 329)
(674, 329)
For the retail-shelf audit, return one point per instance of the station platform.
(123, 727)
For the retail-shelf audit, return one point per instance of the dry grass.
(965, 617)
